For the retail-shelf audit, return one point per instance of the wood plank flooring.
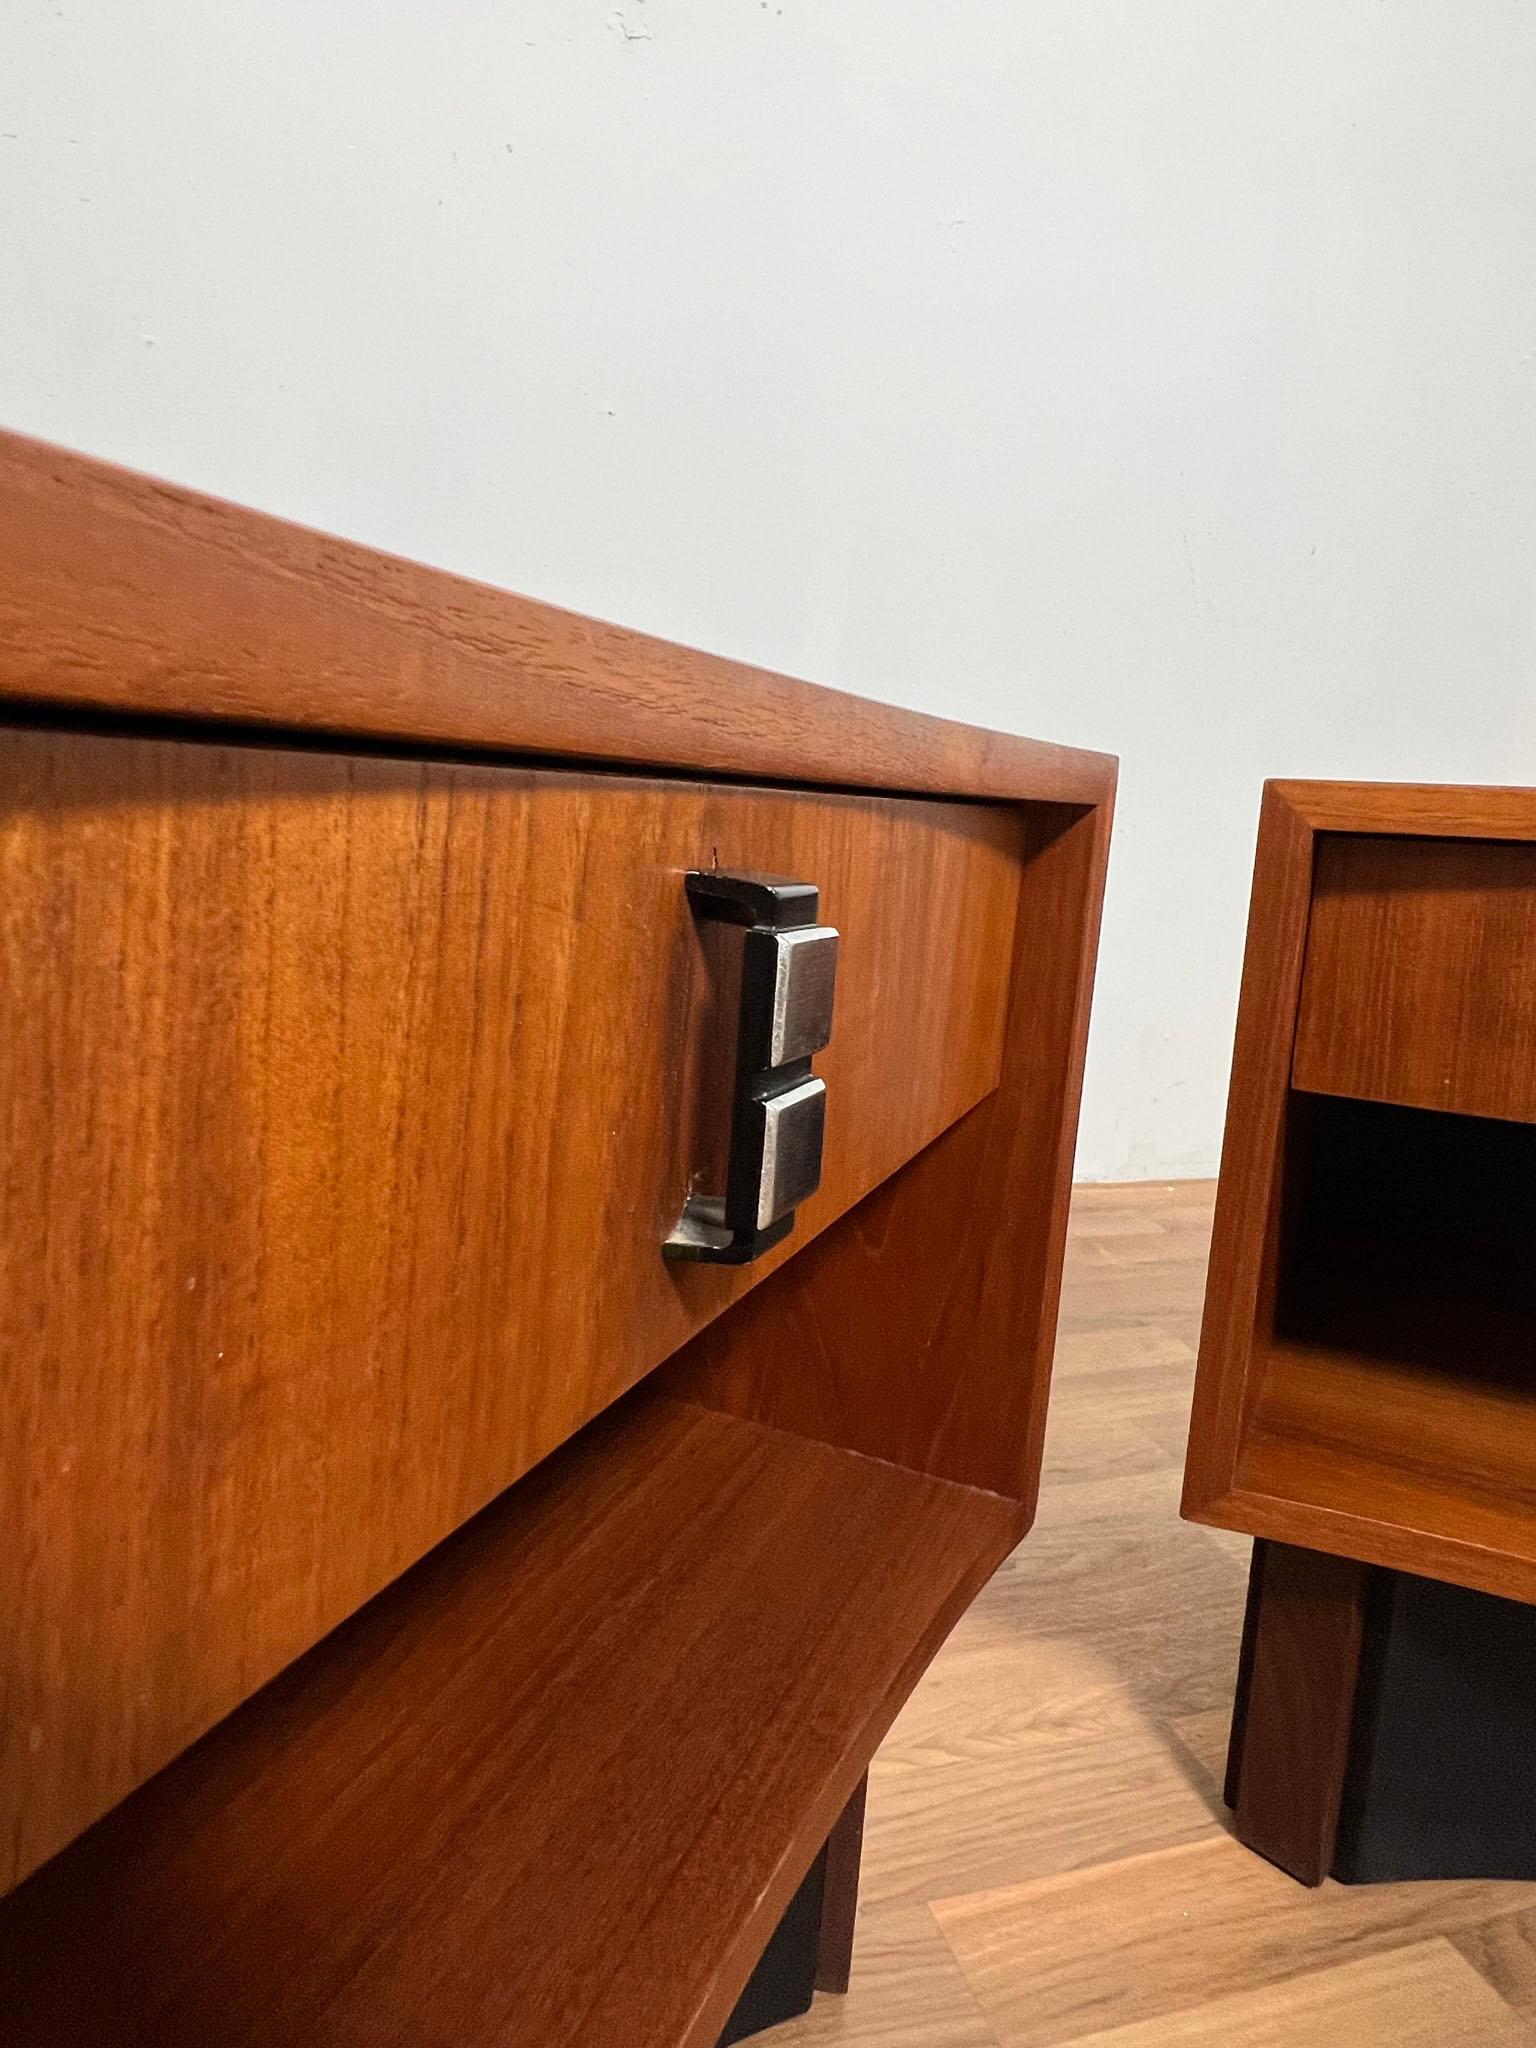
(1046, 1854)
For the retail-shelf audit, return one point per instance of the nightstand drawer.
(348, 1102)
(1420, 978)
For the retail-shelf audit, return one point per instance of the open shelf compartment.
(554, 1786)
(1397, 1358)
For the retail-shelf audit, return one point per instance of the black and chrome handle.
(778, 1106)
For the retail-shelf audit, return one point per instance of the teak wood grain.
(1363, 1386)
(922, 1328)
(551, 1790)
(1418, 810)
(123, 594)
(1420, 985)
(347, 1104)
(1244, 1234)
(397, 1060)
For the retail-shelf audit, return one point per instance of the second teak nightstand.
(1365, 1405)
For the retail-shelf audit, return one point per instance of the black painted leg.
(1442, 1772)
(811, 1949)
(840, 1895)
(780, 1987)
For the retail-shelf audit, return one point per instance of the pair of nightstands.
(533, 1180)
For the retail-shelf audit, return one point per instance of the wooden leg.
(1296, 1705)
(1244, 1675)
(840, 1895)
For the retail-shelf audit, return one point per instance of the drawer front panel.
(1420, 978)
(346, 1105)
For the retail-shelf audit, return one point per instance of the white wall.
(1155, 374)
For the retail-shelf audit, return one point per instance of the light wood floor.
(1046, 1857)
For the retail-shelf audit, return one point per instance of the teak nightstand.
(1366, 1397)
(535, 1167)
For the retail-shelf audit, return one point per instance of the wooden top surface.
(1429, 810)
(128, 596)
(555, 1786)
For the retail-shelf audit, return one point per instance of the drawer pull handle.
(778, 1106)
